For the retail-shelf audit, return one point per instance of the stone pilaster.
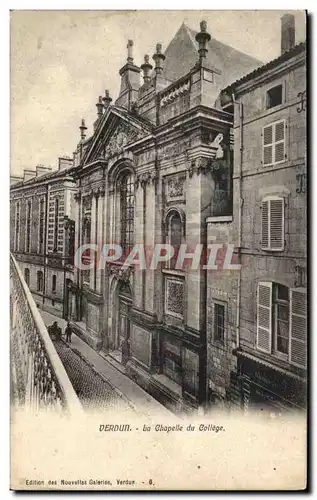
(200, 187)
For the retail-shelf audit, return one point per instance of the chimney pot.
(107, 99)
(287, 32)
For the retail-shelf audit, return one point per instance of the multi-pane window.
(282, 321)
(219, 322)
(40, 281)
(274, 96)
(56, 219)
(272, 224)
(274, 146)
(17, 227)
(127, 213)
(41, 225)
(28, 226)
(27, 276)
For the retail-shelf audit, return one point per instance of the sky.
(61, 61)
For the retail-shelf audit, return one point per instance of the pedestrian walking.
(68, 333)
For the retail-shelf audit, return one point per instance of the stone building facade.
(42, 232)
(157, 166)
(185, 157)
(259, 356)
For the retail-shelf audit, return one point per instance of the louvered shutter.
(264, 316)
(265, 224)
(279, 140)
(268, 145)
(276, 224)
(298, 326)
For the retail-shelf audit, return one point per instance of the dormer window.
(274, 97)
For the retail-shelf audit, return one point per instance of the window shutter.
(277, 224)
(264, 316)
(298, 326)
(279, 146)
(268, 145)
(265, 224)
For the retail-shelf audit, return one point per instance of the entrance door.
(124, 331)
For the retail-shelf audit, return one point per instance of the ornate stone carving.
(122, 273)
(123, 136)
(145, 178)
(171, 150)
(175, 187)
(198, 165)
(174, 297)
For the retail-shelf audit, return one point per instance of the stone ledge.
(219, 218)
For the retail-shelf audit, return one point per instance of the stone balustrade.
(39, 379)
(175, 92)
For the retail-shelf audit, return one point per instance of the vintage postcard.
(158, 258)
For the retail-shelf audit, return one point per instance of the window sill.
(175, 272)
(219, 218)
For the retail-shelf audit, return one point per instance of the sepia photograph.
(158, 250)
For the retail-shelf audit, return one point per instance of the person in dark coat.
(68, 333)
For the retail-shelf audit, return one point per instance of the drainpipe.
(239, 216)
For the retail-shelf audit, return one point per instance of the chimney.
(28, 174)
(146, 68)
(65, 162)
(15, 178)
(287, 32)
(130, 81)
(107, 99)
(159, 58)
(82, 129)
(99, 107)
(41, 170)
(202, 38)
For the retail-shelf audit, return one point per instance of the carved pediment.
(114, 137)
(123, 136)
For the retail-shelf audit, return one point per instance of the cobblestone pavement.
(92, 390)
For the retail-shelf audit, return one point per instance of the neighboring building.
(42, 233)
(257, 319)
(146, 176)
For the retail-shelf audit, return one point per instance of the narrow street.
(97, 382)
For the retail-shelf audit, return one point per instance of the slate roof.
(301, 47)
(182, 55)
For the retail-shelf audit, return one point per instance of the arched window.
(27, 276)
(127, 212)
(174, 227)
(40, 281)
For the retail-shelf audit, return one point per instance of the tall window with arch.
(126, 186)
(174, 231)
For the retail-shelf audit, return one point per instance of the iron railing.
(38, 377)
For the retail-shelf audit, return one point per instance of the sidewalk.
(141, 401)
